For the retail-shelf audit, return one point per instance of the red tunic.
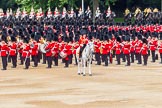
(34, 50)
(4, 50)
(48, 50)
(138, 47)
(66, 50)
(26, 51)
(83, 41)
(20, 47)
(126, 49)
(12, 50)
(105, 47)
(153, 45)
(55, 49)
(144, 50)
(97, 47)
(70, 49)
(132, 46)
(160, 48)
(75, 48)
(118, 48)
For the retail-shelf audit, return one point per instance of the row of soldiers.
(138, 10)
(127, 49)
(109, 41)
(39, 13)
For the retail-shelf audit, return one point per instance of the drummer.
(66, 51)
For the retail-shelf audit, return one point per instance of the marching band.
(32, 38)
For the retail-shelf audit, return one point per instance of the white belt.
(3, 50)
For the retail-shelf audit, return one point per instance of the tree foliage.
(44, 4)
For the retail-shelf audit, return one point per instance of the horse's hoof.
(90, 74)
(84, 75)
(78, 73)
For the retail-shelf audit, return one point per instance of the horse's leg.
(78, 66)
(81, 66)
(90, 73)
(84, 66)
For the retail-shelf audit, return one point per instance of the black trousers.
(98, 58)
(145, 58)
(118, 58)
(55, 58)
(27, 62)
(39, 56)
(132, 57)
(35, 60)
(44, 58)
(114, 54)
(110, 57)
(4, 62)
(70, 58)
(127, 58)
(21, 58)
(153, 56)
(148, 52)
(105, 58)
(76, 62)
(123, 57)
(139, 58)
(32, 58)
(49, 61)
(9, 59)
(136, 56)
(161, 57)
(14, 60)
(66, 63)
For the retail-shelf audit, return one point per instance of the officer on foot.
(3, 52)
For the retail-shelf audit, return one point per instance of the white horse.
(87, 56)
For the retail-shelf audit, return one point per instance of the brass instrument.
(8, 38)
(42, 41)
(101, 49)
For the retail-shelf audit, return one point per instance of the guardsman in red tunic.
(110, 52)
(4, 52)
(55, 51)
(97, 51)
(137, 51)
(144, 51)
(34, 52)
(26, 53)
(126, 52)
(48, 48)
(136, 41)
(13, 52)
(132, 50)
(153, 46)
(104, 47)
(66, 51)
(118, 50)
(112, 41)
(70, 44)
(160, 51)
